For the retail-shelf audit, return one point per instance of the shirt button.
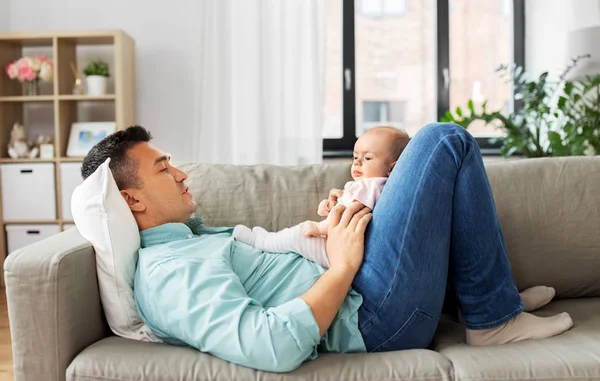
(190, 236)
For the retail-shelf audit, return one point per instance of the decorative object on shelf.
(46, 147)
(97, 74)
(18, 146)
(29, 71)
(77, 86)
(559, 117)
(84, 135)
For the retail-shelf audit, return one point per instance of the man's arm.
(326, 296)
(345, 249)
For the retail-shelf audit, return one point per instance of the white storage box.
(70, 178)
(19, 236)
(28, 192)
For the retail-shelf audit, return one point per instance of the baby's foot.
(310, 229)
(524, 326)
(254, 237)
(244, 234)
(536, 297)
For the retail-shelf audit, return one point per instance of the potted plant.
(96, 75)
(557, 118)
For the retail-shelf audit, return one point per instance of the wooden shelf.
(31, 222)
(44, 38)
(68, 97)
(26, 39)
(38, 98)
(38, 160)
(64, 47)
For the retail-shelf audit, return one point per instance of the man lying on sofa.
(388, 274)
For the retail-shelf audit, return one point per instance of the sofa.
(549, 210)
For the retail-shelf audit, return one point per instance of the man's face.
(162, 196)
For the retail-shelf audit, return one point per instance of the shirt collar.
(172, 231)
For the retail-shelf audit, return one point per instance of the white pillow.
(103, 218)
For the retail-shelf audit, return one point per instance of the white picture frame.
(84, 135)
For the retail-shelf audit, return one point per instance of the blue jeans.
(434, 233)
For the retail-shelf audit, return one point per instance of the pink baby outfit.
(367, 191)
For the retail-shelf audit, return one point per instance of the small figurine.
(19, 147)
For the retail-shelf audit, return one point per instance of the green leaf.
(562, 101)
(483, 106)
(471, 107)
(518, 71)
(459, 111)
(568, 89)
(447, 118)
(96, 67)
(556, 143)
(509, 150)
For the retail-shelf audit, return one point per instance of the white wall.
(547, 27)
(4, 14)
(165, 33)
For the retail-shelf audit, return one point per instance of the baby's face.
(371, 156)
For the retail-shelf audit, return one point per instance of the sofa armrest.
(54, 305)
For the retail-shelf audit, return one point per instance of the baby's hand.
(324, 208)
(326, 205)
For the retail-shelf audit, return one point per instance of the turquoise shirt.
(196, 286)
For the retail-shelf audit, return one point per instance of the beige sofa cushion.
(273, 197)
(573, 355)
(115, 358)
(549, 210)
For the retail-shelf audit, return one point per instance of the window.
(405, 63)
(383, 8)
(475, 53)
(377, 113)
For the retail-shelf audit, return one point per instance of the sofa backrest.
(549, 210)
(273, 197)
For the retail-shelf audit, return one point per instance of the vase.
(96, 85)
(31, 88)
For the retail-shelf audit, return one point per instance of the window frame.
(343, 147)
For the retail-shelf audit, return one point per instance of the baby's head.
(376, 152)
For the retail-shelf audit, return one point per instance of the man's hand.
(326, 205)
(346, 237)
(345, 249)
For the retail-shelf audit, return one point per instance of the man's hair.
(399, 140)
(115, 146)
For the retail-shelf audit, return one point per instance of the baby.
(375, 154)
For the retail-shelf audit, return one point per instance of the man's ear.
(392, 167)
(132, 201)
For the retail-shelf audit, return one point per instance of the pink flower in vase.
(23, 62)
(12, 71)
(26, 73)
